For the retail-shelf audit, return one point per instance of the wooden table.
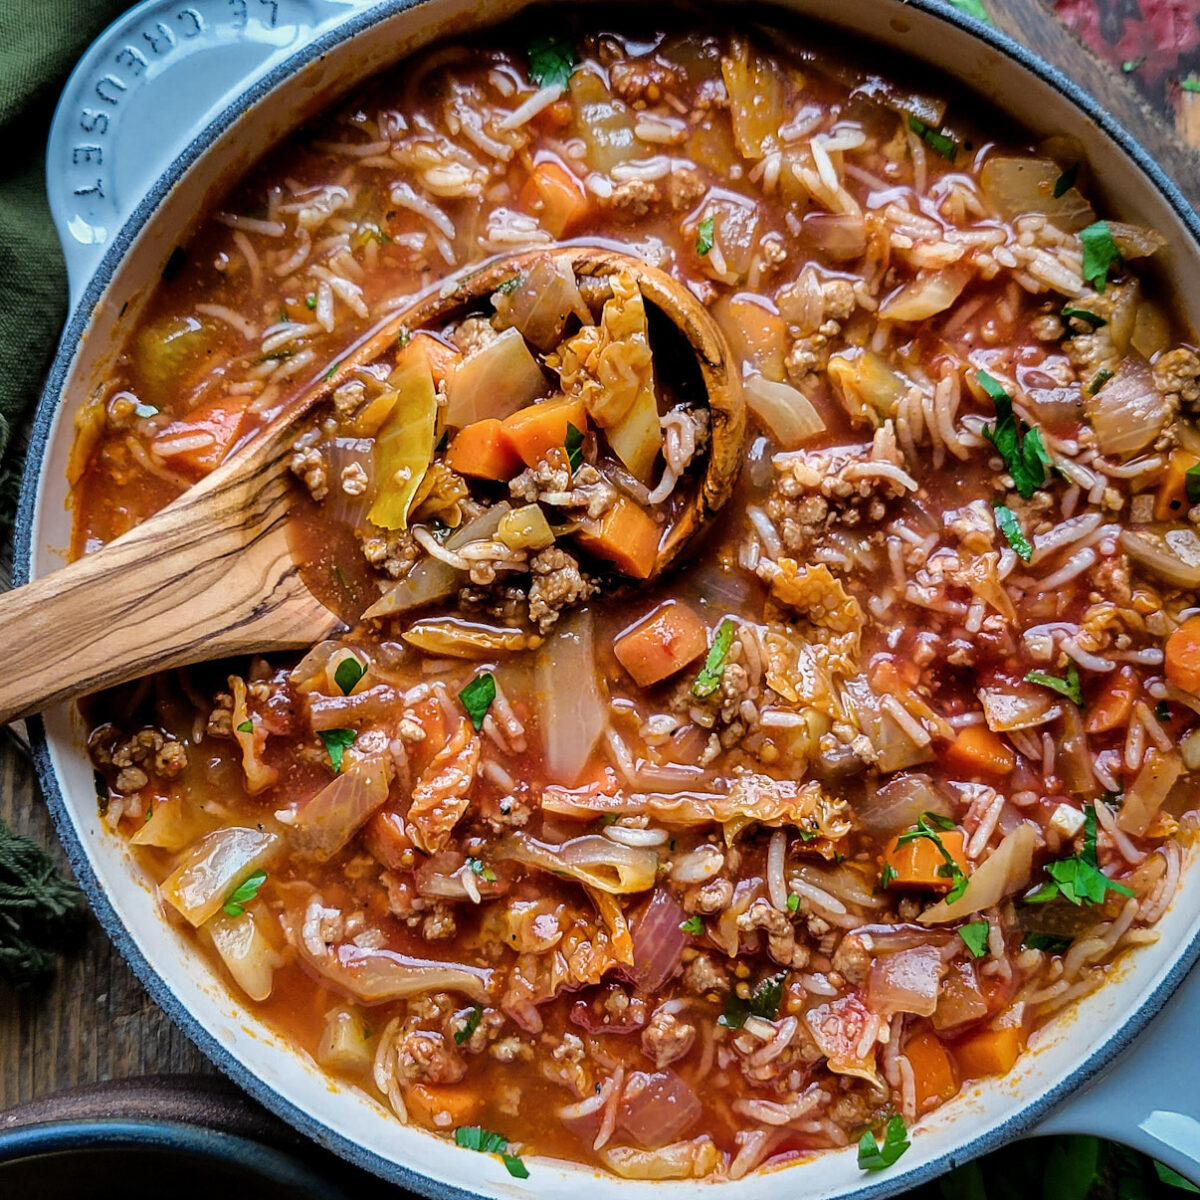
(94, 1022)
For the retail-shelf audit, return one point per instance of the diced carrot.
(536, 429)
(554, 196)
(427, 1102)
(661, 643)
(442, 358)
(387, 840)
(220, 419)
(483, 451)
(1172, 500)
(1183, 656)
(626, 536)
(757, 334)
(934, 1078)
(990, 1051)
(917, 864)
(1114, 702)
(978, 751)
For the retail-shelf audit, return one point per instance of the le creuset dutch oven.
(172, 104)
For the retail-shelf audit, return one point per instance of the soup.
(711, 868)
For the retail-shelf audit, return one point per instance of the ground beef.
(633, 199)
(644, 79)
(815, 309)
(308, 465)
(711, 897)
(684, 188)
(702, 976)
(555, 583)
(781, 935)
(559, 487)
(135, 758)
(348, 398)
(851, 960)
(1177, 377)
(473, 334)
(423, 1056)
(220, 719)
(354, 479)
(393, 555)
(666, 1038)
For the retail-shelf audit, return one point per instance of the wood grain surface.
(94, 1022)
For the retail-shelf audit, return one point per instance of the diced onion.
(930, 293)
(1006, 710)
(786, 412)
(1162, 558)
(1019, 184)
(344, 1044)
(658, 941)
(246, 951)
(682, 1160)
(339, 810)
(1128, 412)
(546, 299)
(466, 639)
(899, 803)
(572, 714)
(657, 1108)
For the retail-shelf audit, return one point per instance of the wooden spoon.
(212, 574)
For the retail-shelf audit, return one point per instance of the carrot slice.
(934, 1078)
(443, 359)
(1183, 656)
(661, 643)
(1172, 501)
(221, 420)
(538, 428)
(427, 1102)
(978, 751)
(990, 1051)
(918, 864)
(1114, 702)
(626, 536)
(554, 196)
(483, 451)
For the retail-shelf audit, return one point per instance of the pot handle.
(148, 84)
(1149, 1097)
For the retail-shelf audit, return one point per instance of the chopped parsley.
(927, 829)
(692, 925)
(1102, 377)
(552, 60)
(310, 301)
(336, 741)
(764, 1002)
(1018, 444)
(887, 875)
(975, 937)
(1099, 253)
(1190, 84)
(484, 873)
(704, 236)
(477, 698)
(349, 672)
(241, 895)
(1049, 942)
(939, 143)
(145, 410)
(1162, 711)
(464, 1034)
(1007, 523)
(1131, 64)
(709, 678)
(1066, 181)
(1083, 314)
(1191, 484)
(1069, 686)
(793, 903)
(246, 727)
(1078, 879)
(872, 1156)
(573, 444)
(473, 1137)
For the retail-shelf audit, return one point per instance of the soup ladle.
(213, 573)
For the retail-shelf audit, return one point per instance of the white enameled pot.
(172, 104)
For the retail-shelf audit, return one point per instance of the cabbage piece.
(495, 381)
(525, 528)
(930, 293)
(1019, 184)
(572, 709)
(214, 867)
(1128, 412)
(1005, 710)
(1005, 871)
(898, 804)
(755, 86)
(869, 389)
(465, 639)
(1145, 796)
(545, 301)
(604, 123)
(404, 445)
(324, 824)
(681, 1160)
(592, 859)
(249, 954)
(1135, 241)
(1172, 555)
(173, 824)
(838, 1028)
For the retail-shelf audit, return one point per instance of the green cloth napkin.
(39, 44)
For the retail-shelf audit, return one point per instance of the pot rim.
(162, 992)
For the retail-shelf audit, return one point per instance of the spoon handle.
(210, 575)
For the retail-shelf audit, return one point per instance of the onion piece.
(571, 708)
(657, 1108)
(1135, 241)
(248, 954)
(1006, 710)
(1017, 184)
(592, 860)
(1128, 412)
(465, 639)
(1005, 871)
(756, 89)
(494, 381)
(525, 528)
(377, 703)
(214, 867)
(681, 1160)
(899, 803)
(173, 823)
(960, 1000)
(340, 506)
(658, 941)
(785, 411)
(930, 293)
(341, 808)
(1146, 794)
(345, 1044)
(546, 299)
(1164, 558)
(906, 981)
(841, 237)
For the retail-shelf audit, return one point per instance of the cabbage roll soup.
(715, 868)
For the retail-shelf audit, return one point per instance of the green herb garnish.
(1102, 377)
(939, 143)
(336, 741)
(887, 875)
(764, 1002)
(1049, 942)
(1007, 523)
(872, 1156)
(246, 727)
(552, 60)
(1132, 64)
(692, 925)
(310, 301)
(477, 868)
(333, 370)
(1083, 314)
(1018, 444)
(1079, 879)
(573, 444)
(704, 236)
(1099, 253)
(1191, 484)
(793, 903)
(243, 894)
(1164, 1173)
(973, 8)
(349, 672)
(477, 698)
(1066, 181)
(1068, 686)
(927, 829)
(473, 1137)
(975, 937)
(464, 1034)
(709, 678)
(510, 285)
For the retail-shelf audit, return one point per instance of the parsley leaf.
(1191, 484)
(1007, 523)
(573, 444)
(1099, 253)
(764, 1002)
(1018, 444)
(704, 236)
(875, 1157)
(246, 727)
(793, 903)
(887, 875)
(477, 698)
(975, 937)
(484, 873)
(1069, 687)
(552, 60)
(310, 301)
(1049, 942)
(473, 1137)
(510, 285)
(349, 672)
(241, 895)
(1083, 314)
(949, 868)
(336, 741)
(692, 925)
(464, 1034)
(709, 678)
(1066, 181)
(939, 143)
(333, 370)
(1078, 879)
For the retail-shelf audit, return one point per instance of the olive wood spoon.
(212, 574)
